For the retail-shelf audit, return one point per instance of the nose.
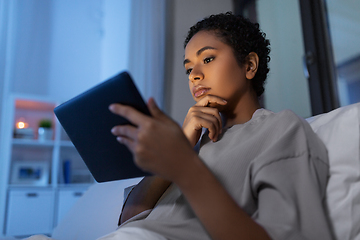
(196, 74)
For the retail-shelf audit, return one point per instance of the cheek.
(190, 88)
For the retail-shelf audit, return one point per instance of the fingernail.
(119, 139)
(152, 102)
(111, 106)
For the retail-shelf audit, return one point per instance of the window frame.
(318, 60)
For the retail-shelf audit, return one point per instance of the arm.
(203, 191)
(160, 146)
(144, 196)
(215, 208)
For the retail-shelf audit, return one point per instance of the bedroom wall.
(60, 48)
(3, 29)
(28, 50)
(286, 87)
(89, 44)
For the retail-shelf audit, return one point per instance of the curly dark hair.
(243, 37)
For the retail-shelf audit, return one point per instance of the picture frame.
(35, 173)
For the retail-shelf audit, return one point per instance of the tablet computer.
(88, 121)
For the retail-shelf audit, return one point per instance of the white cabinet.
(67, 199)
(46, 174)
(30, 211)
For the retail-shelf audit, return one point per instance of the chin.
(218, 106)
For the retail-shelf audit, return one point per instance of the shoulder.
(289, 123)
(284, 124)
(315, 146)
(292, 146)
(291, 135)
(285, 117)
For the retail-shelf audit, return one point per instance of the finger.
(127, 131)
(129, 143)
(213, 112)
(203, 117)
(134, 116)
(196, 122)
(210, 123)
(211, 99)
(154, 109)
(125, 135)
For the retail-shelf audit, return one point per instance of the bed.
(98, 210)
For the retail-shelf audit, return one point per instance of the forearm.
(216, 209)
(144, 196)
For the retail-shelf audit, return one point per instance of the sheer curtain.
(147, 47)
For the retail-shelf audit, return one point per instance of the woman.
(258, 174)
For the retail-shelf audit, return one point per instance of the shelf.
(66, 144)
(46, 143)
(38, 166)
(33, 142)
(74, 185)
(50, 187)
(29, 187)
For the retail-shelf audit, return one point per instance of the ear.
(252, 64)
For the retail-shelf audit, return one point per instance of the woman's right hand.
(204, 113)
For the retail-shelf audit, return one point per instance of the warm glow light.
(20, 125)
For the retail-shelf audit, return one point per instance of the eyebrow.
(199, 52)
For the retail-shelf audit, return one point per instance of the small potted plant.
(45, 131)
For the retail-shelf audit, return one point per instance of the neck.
(241, 113)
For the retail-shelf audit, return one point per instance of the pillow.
(339, 130)
(96, 213)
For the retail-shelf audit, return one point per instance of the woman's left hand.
(157, 143)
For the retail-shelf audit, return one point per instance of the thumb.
(154, 109)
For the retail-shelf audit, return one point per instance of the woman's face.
(213, 70)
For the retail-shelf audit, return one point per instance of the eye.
(209, 59)
(188, 71)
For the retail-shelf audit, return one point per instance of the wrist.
(195, 170)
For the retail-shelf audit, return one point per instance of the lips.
(199, 91)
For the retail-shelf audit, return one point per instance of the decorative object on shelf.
(30, 173)
(67, 171)
(22, 130)
(45, 132)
